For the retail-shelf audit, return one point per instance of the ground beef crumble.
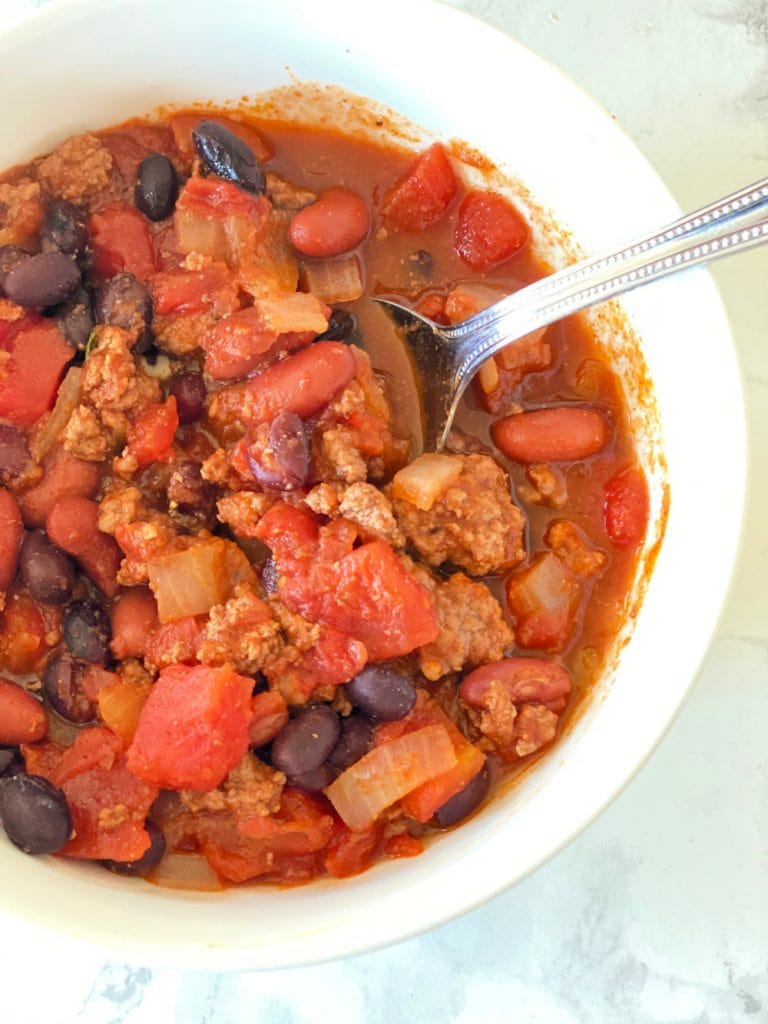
(241, 632)
(252, 788)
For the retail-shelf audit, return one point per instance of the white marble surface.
(658, 914)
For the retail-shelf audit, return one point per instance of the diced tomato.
(150, 436)
(11, 532)
(121, 240)
(489, 230)
(32, 359)
(423, 195)
(350, 853)
(626, 508)
(25, 635)
(376, 601)
(22, 718)
(403, 845)
(432, 305)
(304, 383)
(94, 679)
(188, 291)
(174, 643)
(63, 476)
(215, 197)
(237, 852)
(291, 532)
(544, 598)
(193, 728)
(96, 747)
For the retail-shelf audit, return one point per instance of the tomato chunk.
(188, 291)
(150, 438)
(193, 728)
(27, 633)
(350, 853)
(423, 195)
(626, 508)
(120, 239)
(544, 599)
(34, 355)
(489, 230)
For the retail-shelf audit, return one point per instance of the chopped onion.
(191, 582)
(389, 772)
(201, 234)
(510, 357)
(292, 312)
(488, 375)
(332, 281)
(425, 479)
(47, 434)
(186, 871)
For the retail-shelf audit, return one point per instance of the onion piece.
(389, 772)
(426, 479)
(488, 376)
(47, 434)
(337, 280)
(186, 871)
(191, 582)
(200, 234)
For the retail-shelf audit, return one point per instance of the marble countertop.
(658, 913)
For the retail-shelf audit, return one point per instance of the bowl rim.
(44, 20)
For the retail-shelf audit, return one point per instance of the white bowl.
(95, 62)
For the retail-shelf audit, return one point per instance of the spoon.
(446, 358)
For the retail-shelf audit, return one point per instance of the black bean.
(11, 256)
(465, 801)
(63, 228)
(315, 780)
(270, 574)
(86, 630)
(48, 573)
(47, 279)
(228, 156)
(187, 491)
(382, 693)
(283, 463)
(341, 324)
(125, 302)
(156, 187)
(75, 319)
(14, 453)
(354, 743)
(190, 393)
(34, 814)
(306, 741)
(147, 861)
(62, 685)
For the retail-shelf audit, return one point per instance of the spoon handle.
(733, 224)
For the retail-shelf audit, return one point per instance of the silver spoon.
(446, 358)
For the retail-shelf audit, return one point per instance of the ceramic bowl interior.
(92, 63)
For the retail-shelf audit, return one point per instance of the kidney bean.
(63, 475)
(467, 800)
(125, 302)
(270, 574)
(341, 324)
(283, 463)
(87, 631)
(22, 718)
(34, 814)
(47, 279)
(73, 525)
(315, 780)
(14, 452)
(306, 741)
(148, 860)
(188, 491)
(354, 742)
(190, 393)
(228, 156)
(337, 222)
(382, 693)
(63, 228)
(63, 689)
(47, 572)
(525, 679)
(11, 256)
(75, 319)
(11, 532)
(156, 187)
(564, 433)
(303, 383)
